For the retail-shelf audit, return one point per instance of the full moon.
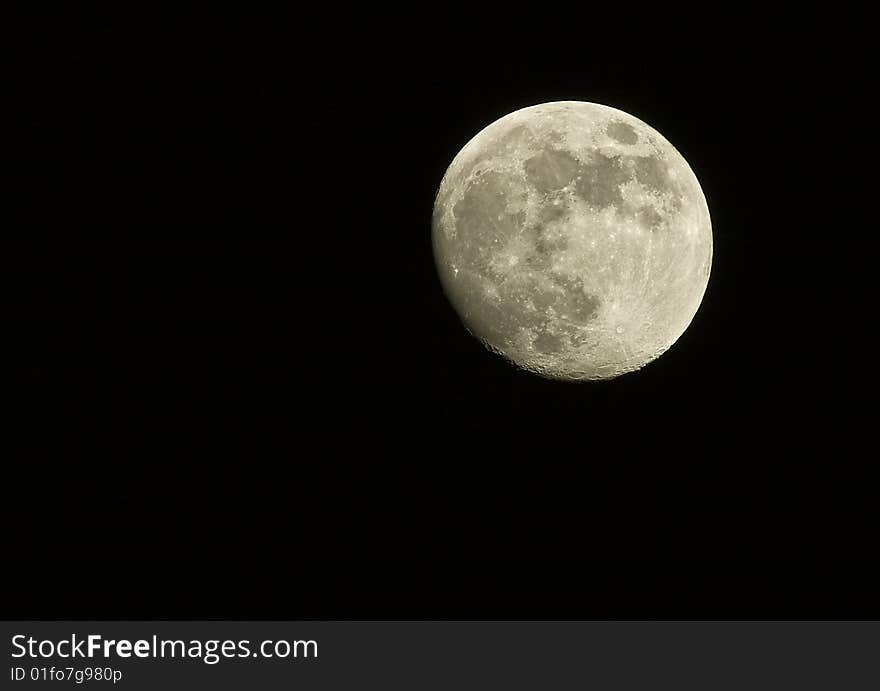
(573, 240)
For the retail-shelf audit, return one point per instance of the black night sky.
(239, 391)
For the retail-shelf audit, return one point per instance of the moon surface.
(573, 240)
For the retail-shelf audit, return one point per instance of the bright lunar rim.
(572, 239)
